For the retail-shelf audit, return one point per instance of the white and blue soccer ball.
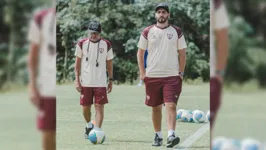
(187, 116)
(198, 116)
(222, 143)
(179, 114)
(208, 117)
(97, 136)
(251, 144)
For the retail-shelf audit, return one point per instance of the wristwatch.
(110, 79)
(181, 74)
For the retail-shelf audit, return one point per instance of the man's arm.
(140, 57)
(33, 58)
(222, 49)
(110, 68)
(77, 68)
(182, 59)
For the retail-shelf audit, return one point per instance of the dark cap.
(163, 6)
(95, 26)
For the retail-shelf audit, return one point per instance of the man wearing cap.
(92, 56)
(164, 73)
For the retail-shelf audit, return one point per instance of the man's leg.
(101, 99)
(87, 113)
(47, 122)
(86, 100)
(49, 140)
(157, 118)
(154, 99)
(99, 109)
(171, 117)
(171, 92)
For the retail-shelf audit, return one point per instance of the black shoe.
(172, 141)
(87, 131)
(157, 141)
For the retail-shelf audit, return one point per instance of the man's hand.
(34, 95)
(78, 86)
(142, 76)
(181, 77)
(110, 87)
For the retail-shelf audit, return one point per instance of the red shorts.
(46, 119)
(162, 90)
(88, 93)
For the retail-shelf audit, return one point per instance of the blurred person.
(164, 73)
(218, 54)
(42, 73)
(92, 56)
(145, 65)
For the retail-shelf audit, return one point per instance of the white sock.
(98, 129)
(159, 134)
(171, 132)
(89, 125)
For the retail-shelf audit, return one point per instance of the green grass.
(127, 122)
(242, 114)
(17, 122)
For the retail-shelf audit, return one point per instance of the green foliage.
(122, 25)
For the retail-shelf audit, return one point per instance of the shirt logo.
(101, 50)
(169, 36)
(148, 97)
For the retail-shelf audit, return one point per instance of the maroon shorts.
(46, 119)
(162, 90)
(88, 93)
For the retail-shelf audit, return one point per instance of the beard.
(162, 19)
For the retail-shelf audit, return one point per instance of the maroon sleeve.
(109, 45)
(38, 17)
(178, 30)
(80, 43)
(146, 31)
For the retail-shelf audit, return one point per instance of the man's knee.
(170, 105)
(87, 108)
(157, 108)
(99, 106)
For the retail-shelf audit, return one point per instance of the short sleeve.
(221, 19)
(34, 35)
(110, 54)
(78, 51)
(143, 42)
(181, 43)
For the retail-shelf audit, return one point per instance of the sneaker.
(87, 131)
(172, 141)
(157, 141)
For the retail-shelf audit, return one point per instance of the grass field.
(127, 122)
(242, 115)
(17, 122)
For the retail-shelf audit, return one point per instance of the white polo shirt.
(163, 46)
(40, 33)
(219, 20)
(92, 76)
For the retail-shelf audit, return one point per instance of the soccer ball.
(198, 116)
(208, 116)
(251, 144)
(187, 116)
(179, 114)
(222, 143)
(97, 136)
